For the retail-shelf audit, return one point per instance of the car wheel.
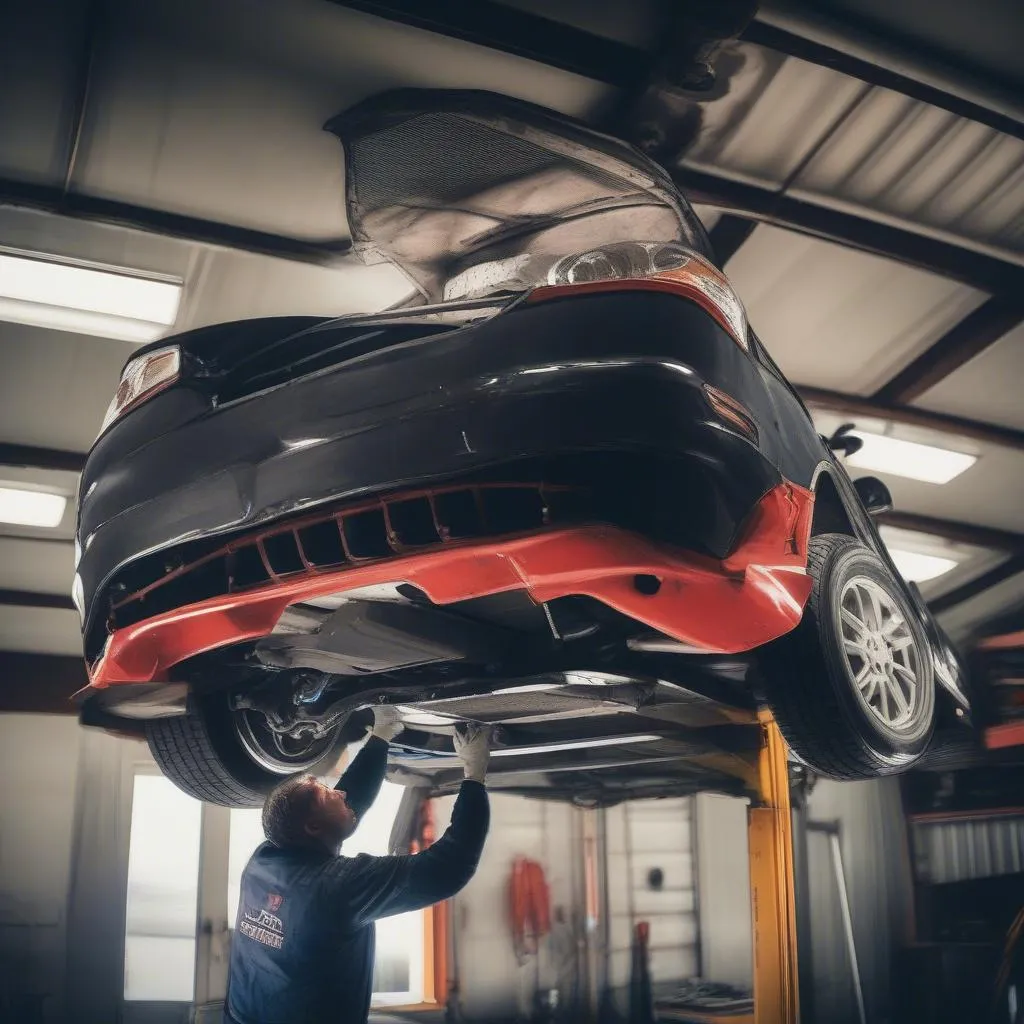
(230, 757)
(852, 687)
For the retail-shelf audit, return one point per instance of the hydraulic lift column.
(773, 905)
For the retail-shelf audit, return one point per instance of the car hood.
(438, 180)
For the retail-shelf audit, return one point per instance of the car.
(563, 490)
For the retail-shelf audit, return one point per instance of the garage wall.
(37, 803)
(640, 836)
(492, 984)
(879, 889)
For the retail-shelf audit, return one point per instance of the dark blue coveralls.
(304, 938)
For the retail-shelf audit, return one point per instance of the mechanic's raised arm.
(395, 885)
(364, 776)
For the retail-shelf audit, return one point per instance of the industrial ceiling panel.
(836, 318)
(41, 54)
(40, 631)
(767, 114)
(925, 166)
(138, 251)
(64, 383)
(234, 286)
(188, 114)
(43, 568)
(988, 388)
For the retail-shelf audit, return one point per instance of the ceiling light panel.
(916, 567)
(925, 462)
(65, 296)
(21, 507)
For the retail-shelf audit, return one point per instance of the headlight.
(665, 266)
(142, 378)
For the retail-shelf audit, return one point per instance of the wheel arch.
(830, 512)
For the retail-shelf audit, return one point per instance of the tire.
(202, 754)
(808, 678)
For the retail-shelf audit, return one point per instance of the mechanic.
(304, 938)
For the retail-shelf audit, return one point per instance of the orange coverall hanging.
(530, 906)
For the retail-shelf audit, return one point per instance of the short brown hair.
(285, 811)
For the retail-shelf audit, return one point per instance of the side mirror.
(874, 495)
(843, 441)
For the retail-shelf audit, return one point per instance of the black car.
(564, 490)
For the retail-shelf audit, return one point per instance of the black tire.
(201, 753)
(808, 682)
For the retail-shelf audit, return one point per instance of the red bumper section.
(755, 595)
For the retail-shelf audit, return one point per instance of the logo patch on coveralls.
(262, 926)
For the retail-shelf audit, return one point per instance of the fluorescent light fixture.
(919, 568)
(916, 461)
(552, 748)
(87, 299)
(21, 507)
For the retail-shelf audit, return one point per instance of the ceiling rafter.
(958, 533)
(976, 332)
(35, 599)
(53, 199)
(32, 457)
(1013, 566)
(40, 683)
(856, 405)
(970, 266)
(728, 235)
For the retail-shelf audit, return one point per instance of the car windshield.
(441, 182)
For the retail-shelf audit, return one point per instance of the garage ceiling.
(867, 201)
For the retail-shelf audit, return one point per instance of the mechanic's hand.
(387, 723)
(473, 748)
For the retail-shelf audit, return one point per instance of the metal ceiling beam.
(54, 200)
(1013, 566)
(728, 236)
(33, 599)
(573, 49)
(978, 331)
(958, 533)
(31, 457)
(863, 59)
(40, 683)
(508, 30)
(978, 269)
(855, 405)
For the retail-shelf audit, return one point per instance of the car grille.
(355, 534)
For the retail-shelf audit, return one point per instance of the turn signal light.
(143, 377)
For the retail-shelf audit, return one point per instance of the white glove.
(387, 722)
(473, 748)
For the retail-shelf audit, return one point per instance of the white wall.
(723, 886)
(491, 982)
(879, 887)
(39, 767)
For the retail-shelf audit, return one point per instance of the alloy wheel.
(881, 654)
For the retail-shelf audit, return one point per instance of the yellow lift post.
(772, 894)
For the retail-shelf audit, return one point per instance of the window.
(163, 888)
